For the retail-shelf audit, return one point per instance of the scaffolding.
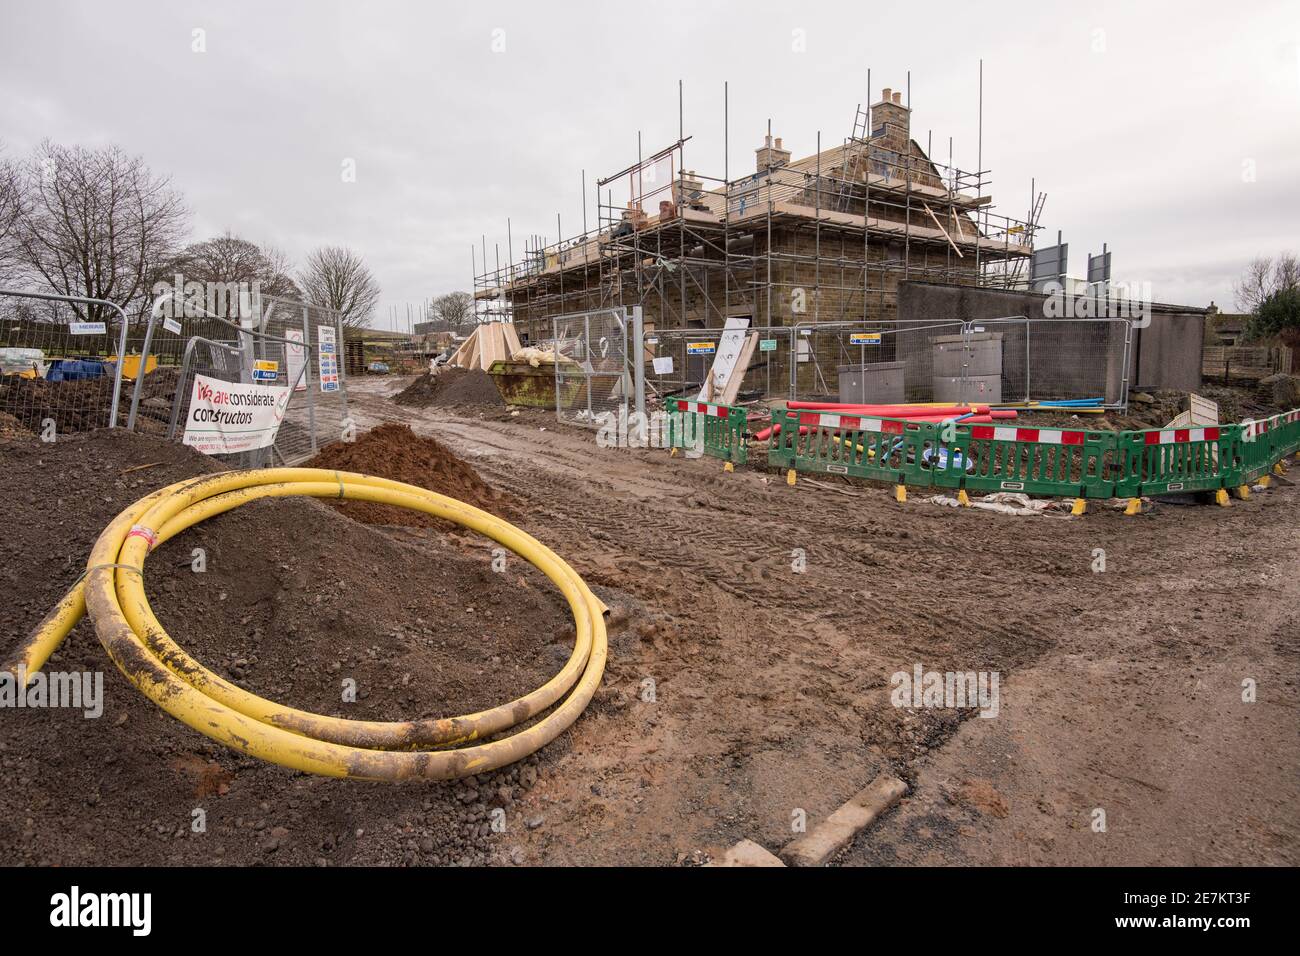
(826, 238)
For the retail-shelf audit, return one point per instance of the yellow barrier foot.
(728, 466)
(672, 453)
(1279, 468)
(900, 493)
(1266, 481)
(1080, 506)
(1134, 506)
(790, 477)
(1221, 498)
(963, 499)
(1243, 492)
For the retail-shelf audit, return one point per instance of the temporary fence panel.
(58, 364)
(1038, 461)
(678, 362)
(822, 349)
(1171, 460)
(1255, 450)
(318, 412)
(594, 383)
(1077, 358)
(1014, 359)
(1291, 426)
(878, 449)
(718, 430)
(272, 342)
(206, 364)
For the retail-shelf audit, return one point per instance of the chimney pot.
(898, 99)
(778, 142)
(884, 95)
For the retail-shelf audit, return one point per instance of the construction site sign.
(701, 348)
(327, 358)
(864, 338)
(265, 370)
(229, 417)
(767, 345)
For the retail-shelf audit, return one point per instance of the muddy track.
(771, 686)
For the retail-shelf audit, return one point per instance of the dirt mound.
(451, 386)
(75, 406)
(394, 451)
(295, 599)
(11, 427)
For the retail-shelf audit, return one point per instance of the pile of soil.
(11, 427)
(394, 451)
(295, 599)
(451, 386)
(75, 406)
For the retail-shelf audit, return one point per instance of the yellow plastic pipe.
(112, 593)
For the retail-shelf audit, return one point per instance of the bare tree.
(228, 261)
(454, 308)
(1264, 277)
(10, 207)
(339, 279)
(96, 223)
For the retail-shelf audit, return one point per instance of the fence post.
(638, 360)
(306, 365)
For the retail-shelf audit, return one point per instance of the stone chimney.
(770, 154)
(688, 185)
(893, 115)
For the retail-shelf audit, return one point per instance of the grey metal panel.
(1099, 268)
(1049, 262)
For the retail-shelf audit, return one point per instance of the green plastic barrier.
(1258, 449)
(718, 430)
(1292, 431)
(1036, 461)
(877, 449)
(1166, 460)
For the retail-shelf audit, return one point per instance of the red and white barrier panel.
(1181, 436)
(703, 408)
(821, 420)
(1046, 436)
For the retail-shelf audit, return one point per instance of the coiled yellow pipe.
(112, 592)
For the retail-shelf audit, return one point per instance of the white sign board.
(730, 343)
(327, 358)
(88, 328)
(228, 417)
(295, 358)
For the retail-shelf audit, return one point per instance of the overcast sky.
(1169, 131)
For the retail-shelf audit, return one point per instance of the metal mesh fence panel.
(57, 371)
(881, 365)
(593, 376)
(318, 412)
(208, 364)
(1078, 358)
(678, 362)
